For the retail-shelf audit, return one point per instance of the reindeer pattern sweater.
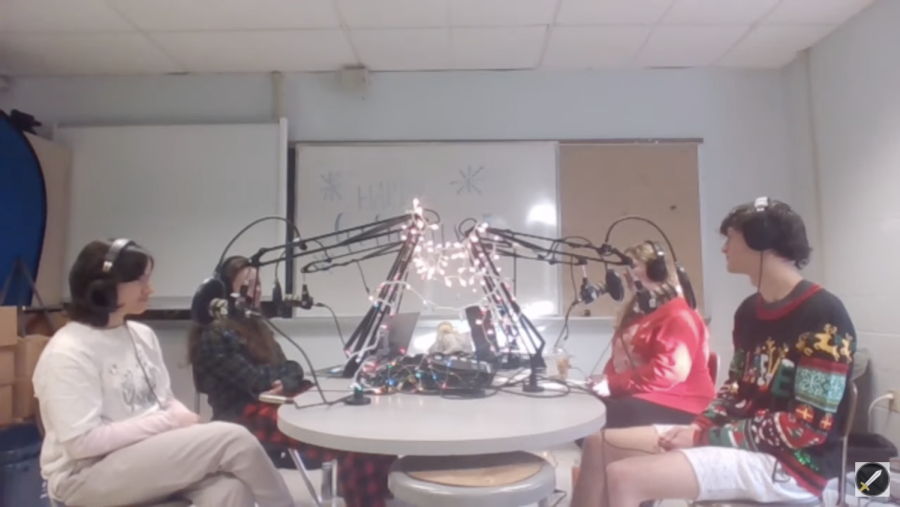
(785, 394)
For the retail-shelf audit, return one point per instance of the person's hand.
(277, 388)
(181, 417)
(679, 437)
(599, 385)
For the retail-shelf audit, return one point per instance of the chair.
(713, 364)
(497, 480)
(853, 393)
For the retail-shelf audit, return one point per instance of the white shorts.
(724, 473)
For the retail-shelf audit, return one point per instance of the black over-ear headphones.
(657, 270)
(103, 291)
(759, 232)
(228, 283)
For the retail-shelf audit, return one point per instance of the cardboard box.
(24, 401)
(28, 351)
(7, 365)
(6, 405)
(9, 325)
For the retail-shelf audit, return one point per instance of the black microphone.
(277, 297)
(590, 292)
(278, 306)
(306, 301)
(614, 286)
(208, 301)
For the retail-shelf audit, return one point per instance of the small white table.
(424, 425)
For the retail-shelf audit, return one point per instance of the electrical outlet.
(895, 399)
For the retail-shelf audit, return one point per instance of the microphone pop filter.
(614, 286)
(210, 289)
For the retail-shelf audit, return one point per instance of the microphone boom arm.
(409, 227)
(484, 241)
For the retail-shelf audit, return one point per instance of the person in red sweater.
(772, 435)
(659, 369)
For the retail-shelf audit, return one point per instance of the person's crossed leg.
(628, 466)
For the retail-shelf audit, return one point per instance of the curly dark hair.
(789, 240)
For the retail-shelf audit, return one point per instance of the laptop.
(400, 330)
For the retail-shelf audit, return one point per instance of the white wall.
(855, 77)
(742, 116)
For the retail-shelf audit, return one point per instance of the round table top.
(424, 425)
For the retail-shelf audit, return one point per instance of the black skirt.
(630, 412)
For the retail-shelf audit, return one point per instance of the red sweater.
(669, 349)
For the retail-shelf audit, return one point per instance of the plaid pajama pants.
(362, 478)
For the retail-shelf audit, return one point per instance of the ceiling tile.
(83, 54)
(816, 11)
(594, 47)
(501, 12)
(718, 12)
(286, 51)
(774, 46)
(59, 16)
(403, 49)
(395, 13)
(201, 15)
(689, 46)
(498, 48)
(611, 12)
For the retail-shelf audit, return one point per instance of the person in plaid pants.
(234, 360)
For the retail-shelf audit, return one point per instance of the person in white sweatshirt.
(115, 433)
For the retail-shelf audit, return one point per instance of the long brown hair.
(253, 332)
(645, 253)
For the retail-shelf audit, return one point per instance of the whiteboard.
(507, 184)
(180, 191)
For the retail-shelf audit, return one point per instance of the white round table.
(423, 425)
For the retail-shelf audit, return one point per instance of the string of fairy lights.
(461, 264)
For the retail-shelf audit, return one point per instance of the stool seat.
(511, 479)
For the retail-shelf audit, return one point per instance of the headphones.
(759, 232)
(658, 271)
(228, 283)
(103, 291)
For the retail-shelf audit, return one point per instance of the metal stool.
(535, 489)
(852, 394)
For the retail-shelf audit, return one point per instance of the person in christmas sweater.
(773, 432)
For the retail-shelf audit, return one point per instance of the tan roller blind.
(601, 182)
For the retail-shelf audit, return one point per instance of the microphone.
(306, 301)
(612, 285)
(209, 302)
(277, 297)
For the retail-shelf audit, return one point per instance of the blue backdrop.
(23, 210)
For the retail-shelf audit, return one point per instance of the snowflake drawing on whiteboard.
(469, 180)
(331, 190)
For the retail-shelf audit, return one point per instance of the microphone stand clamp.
(532, 386)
